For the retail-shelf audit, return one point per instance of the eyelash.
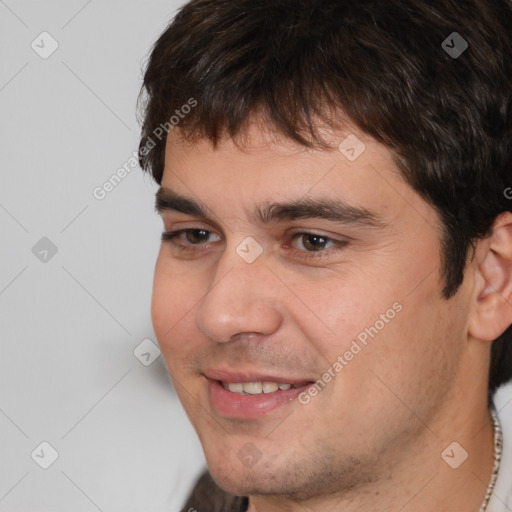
(171, 236)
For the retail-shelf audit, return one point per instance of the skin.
(373, 438)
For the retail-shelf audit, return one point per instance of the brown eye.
(188, 237)
(312, 242)
(316, 247)
(197, 236)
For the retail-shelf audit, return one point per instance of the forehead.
(258, 135)
(247, 175)
(261, 153)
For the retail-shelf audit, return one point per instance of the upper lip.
(251, 376)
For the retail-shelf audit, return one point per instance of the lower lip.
(236, 406)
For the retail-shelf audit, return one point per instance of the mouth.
(259, 387)
(250, 397)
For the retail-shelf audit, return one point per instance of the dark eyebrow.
(328, 209)
(334, 210)
(168, 200)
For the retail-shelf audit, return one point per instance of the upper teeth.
(255, 388)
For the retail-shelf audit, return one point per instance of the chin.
(235, 478)
(237, 485)
(260, 483)
(260, 480)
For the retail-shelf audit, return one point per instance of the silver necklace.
(498, 448)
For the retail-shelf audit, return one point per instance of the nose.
(242, 299)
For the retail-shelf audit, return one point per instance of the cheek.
(164, 304)
(382, 330)
(413, 359)
(333, 311)
(173, 299)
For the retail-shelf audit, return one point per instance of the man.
(333, 291)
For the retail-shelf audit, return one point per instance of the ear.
(492, 308)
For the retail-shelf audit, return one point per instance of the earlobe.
(492, 311)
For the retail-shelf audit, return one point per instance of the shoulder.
(207, 496)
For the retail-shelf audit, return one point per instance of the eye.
(304, 245)
(314, 245)
(312, 241)
(184, 237)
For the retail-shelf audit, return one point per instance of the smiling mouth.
(259, 387)
(244, 397)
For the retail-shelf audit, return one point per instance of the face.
(307, 284)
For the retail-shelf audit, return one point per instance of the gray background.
(69, 324)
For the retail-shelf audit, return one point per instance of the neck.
(425, 477)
